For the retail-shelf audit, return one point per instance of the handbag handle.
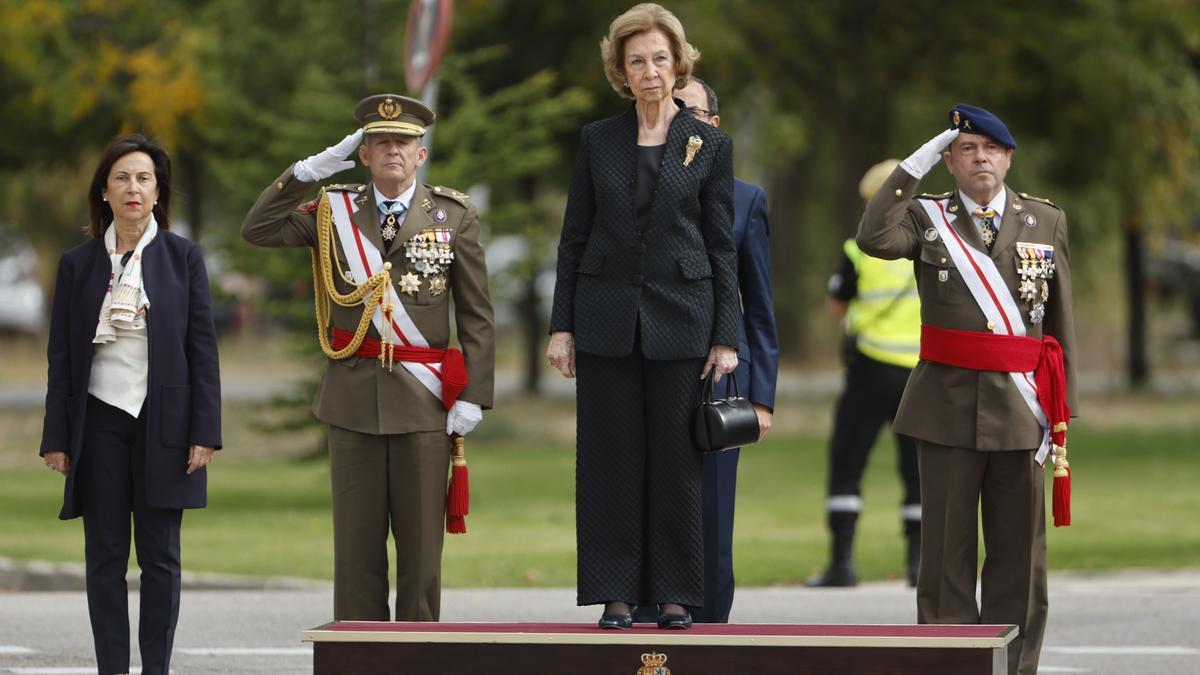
(709, 385)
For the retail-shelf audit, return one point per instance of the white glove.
(927, 156)
(329, 161)
(463, 417)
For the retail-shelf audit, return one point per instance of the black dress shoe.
(616, 620)
(837, 575)
(675, 621)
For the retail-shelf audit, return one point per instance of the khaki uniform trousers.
(395, 481)
(1011, 488)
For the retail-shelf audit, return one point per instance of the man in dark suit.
(757, 370)
(987, 401)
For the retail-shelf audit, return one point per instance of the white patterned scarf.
(125, 305)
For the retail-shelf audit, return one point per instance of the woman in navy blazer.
(645, 305)
(133, 403)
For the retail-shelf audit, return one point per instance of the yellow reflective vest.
(885, 315)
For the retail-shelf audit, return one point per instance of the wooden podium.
(362, 647)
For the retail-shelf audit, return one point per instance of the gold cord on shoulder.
(371, 294)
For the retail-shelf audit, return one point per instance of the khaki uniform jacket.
(954, 406)
(356, 393)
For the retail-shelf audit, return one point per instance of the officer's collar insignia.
(389, 109)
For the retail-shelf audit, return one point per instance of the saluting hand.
(561, 352)
(198, 457)
(927, 156)
(329, 161)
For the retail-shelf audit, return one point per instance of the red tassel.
(458, 497)
(1062, 487)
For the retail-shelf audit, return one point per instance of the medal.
(437, 285)
(409, 283)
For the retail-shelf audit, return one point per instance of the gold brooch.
(693, 146)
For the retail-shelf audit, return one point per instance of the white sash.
(364, 260)
(994, 299)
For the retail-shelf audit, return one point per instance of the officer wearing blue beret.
(992, 275)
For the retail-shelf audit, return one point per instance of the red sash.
(1007, 354)
(454, 370)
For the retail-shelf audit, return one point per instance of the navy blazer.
(183, 396)
(675, 281)
(758, 346)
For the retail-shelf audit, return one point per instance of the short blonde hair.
(875, 177)
(639, 19)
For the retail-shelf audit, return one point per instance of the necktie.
(390, 215)
(987, 226)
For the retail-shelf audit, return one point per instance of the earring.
(626, 83)
(104, 198)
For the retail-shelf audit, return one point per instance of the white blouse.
(120, 370)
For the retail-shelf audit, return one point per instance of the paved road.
(1103, 625)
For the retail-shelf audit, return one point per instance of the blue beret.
(972, 120)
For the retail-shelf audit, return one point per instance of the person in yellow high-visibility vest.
(882, 317)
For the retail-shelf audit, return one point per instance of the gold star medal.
(693, 146)
(409, 283)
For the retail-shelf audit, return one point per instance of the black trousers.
(638, 481)
(112, 484)
(870, 400)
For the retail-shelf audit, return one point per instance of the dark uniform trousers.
(871, 397)
(638, 481)
(112, 484)
(1010, 486)
(382, 482)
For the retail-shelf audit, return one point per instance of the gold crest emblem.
(389, 109)
(955, 119)
(654, 663)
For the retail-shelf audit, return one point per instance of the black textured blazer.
(679, 275)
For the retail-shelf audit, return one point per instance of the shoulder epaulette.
(1026, 195)
(442, 191)
(345, 187)
(928, 195)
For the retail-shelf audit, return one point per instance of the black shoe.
(616, 620)
(675, 621)
(835, 576)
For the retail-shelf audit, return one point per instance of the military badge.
(957, 119)
(409, 283)
(440, 215)
(429, 251)
(693, 146)
(654, 663)
(931, 234)
(1030, 220)
(437, 285)
(389, 109)
(307, 207)
(1035, 266)
(943, 275)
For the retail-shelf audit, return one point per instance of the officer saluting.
(387, 258)
(988, 402)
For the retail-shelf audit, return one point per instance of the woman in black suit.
(644, 307)
(133, 405)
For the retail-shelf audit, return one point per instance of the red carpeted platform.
(746, 649)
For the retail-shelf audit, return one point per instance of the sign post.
(426, 35)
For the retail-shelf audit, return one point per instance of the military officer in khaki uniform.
(388, 257)
(992, 272)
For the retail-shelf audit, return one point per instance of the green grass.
(1134, 505)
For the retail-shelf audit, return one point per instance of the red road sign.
(425, 40)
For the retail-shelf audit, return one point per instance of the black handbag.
(723, 423)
